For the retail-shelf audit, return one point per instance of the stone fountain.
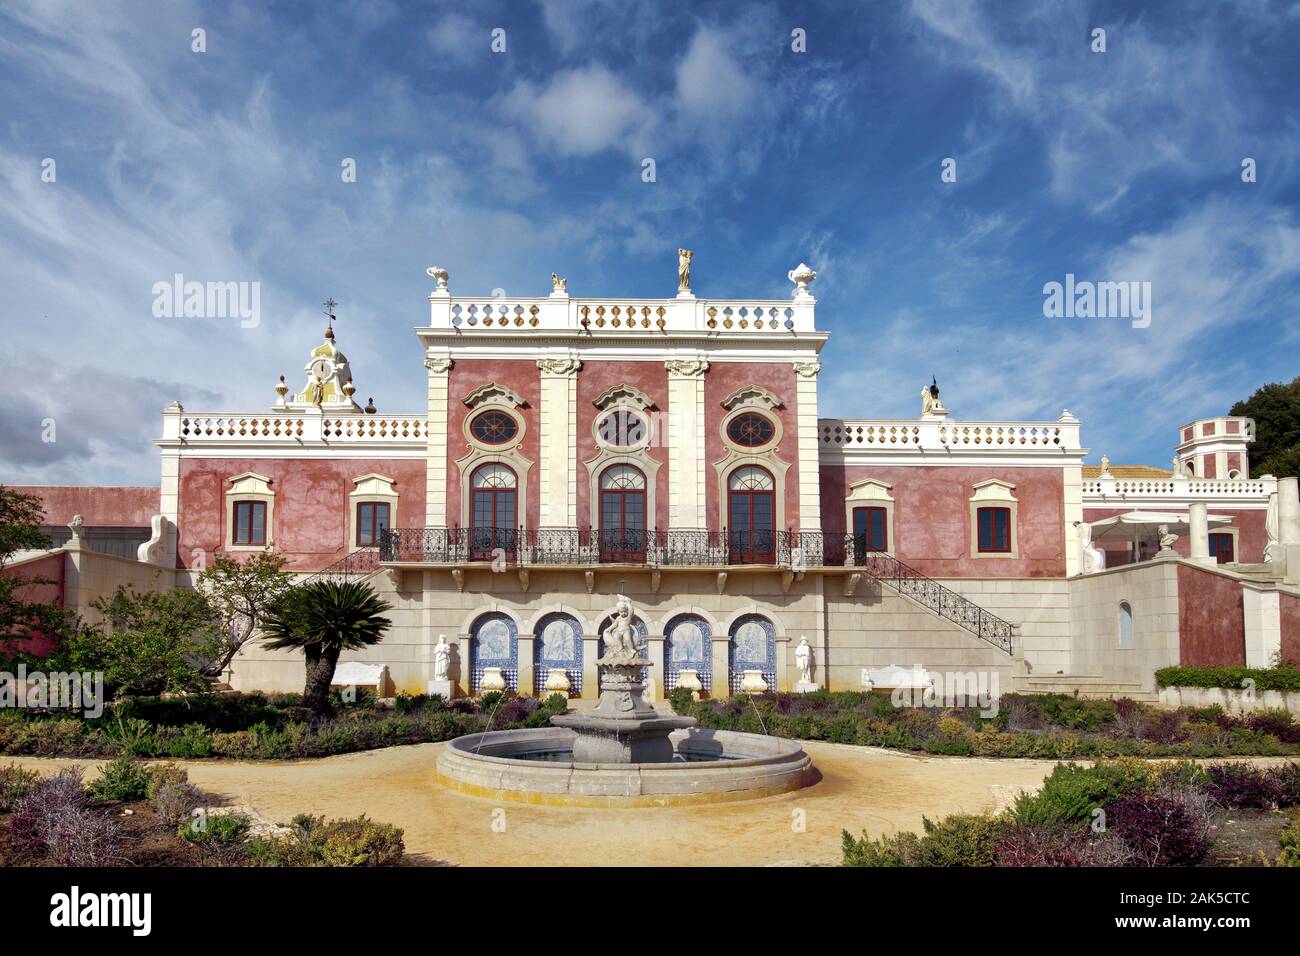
(623, 727)
(623, 753)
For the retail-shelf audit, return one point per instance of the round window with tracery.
(750, 430)
(622, 429)
(494, 428)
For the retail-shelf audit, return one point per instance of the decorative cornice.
(441, 364)
(689, 368)
(559, 366)
(751, 395)
(624, 391)
(807, 369)
(490, 391)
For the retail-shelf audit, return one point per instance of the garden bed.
(138, 815)
(1039, 725)
(1116, 813)
(260, 727)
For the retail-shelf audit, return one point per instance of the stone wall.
(1151, 590)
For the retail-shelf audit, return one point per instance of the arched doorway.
(493, 642)
(751, 516)
(494, 491)
(751, 647)
(557, 644)
(688, 646)
(622, 514)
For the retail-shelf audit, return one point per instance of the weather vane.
(329, 311)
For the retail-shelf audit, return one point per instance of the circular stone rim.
(469, 765)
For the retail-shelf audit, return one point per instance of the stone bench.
(359, 674)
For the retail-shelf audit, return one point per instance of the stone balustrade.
(558, 313)
(940, 435)
(213, 428)
(1179, 489)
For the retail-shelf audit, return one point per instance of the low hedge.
(1286, 677)
(1039, 725)
(281, 730)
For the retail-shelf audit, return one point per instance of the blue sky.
(225, 166)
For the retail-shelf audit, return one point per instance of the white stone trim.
(769, 463)
(436, 432)
(373, 488)
(871, 493)
(1262, 613)
(557, 484)
(606, 458)
(810, 507)
(687, 501)
(249, 486)
(994, 493)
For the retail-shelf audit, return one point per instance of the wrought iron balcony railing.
(788, 550)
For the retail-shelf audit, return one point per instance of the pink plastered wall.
(595, 378)
(523, 377)
(99, 507)
(1290, 608)
(312, 506)
(932, 526)
(1211, 625)
(721, 380)
(50, 572)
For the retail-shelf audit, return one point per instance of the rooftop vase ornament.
(802, 276)
(559, 285)
(438, 274)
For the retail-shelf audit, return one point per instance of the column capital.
(687, 368)
(438, 363)
(807, 369)
(559, 366)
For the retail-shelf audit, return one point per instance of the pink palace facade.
(675, 450)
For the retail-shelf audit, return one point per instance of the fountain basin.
(706, 766)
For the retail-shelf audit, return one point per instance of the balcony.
(586, 548)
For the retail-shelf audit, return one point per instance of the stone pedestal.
(446, 689)
(806, 687)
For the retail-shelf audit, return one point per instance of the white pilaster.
(557, 478)
(810, 509)
(435, 505)
(1262, 611)
(687, 501)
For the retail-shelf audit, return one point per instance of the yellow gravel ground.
(859, 788)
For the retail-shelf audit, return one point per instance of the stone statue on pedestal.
(684, 257)
(441, 658)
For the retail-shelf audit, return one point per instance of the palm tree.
(322, 619)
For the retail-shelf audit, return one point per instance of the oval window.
(750, 430)
(621, 429)
(494, 428)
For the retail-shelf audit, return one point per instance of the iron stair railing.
(351, 567)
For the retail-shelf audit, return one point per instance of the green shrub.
(315, 841)
(123, 779)
(1075, 713)
(15, 783)
(175, 802)
(1071, 792)
(961, 840)
(680, 699)
(163, 775)
(215, 831)
(1286, 677)
(901, 849)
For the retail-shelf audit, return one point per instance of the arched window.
(751, 516)
(1125, 624)
(493, 518)
(622, 514)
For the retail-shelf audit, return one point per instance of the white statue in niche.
(804, 659)
(441, 658)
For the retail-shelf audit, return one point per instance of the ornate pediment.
(627, 393)
(492, 392)
(249, 483)
(752, 395)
